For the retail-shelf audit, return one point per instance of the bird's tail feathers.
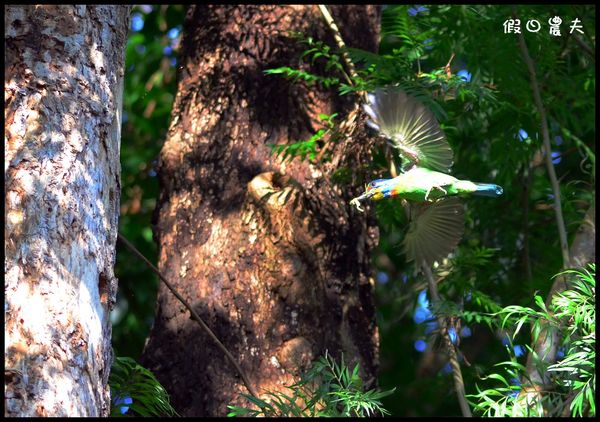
(488, 189)
(481, 189)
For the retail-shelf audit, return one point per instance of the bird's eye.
(376, 183)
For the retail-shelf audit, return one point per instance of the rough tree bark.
(63, 89)
(270, 254)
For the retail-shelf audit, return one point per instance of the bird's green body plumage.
(420, 184)
(436, 215)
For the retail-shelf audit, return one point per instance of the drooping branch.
(194, 314)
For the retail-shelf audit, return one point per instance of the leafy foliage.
(577, 371)
(295, 74)
(134, 385)
(573, 314)
(327, 389)
(308, 148)
(315, 50)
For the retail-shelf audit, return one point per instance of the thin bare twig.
(584, 46)
(562, 232)
(195, 316)
(459, 384)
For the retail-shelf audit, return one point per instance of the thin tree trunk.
(63, 89)
(271, 255)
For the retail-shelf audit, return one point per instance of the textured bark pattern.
(63, 88)
(271, 255)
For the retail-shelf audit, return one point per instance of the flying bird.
(428, 192)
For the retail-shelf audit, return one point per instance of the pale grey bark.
(63, 89)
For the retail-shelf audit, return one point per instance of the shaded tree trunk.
(63, 89)
(270, 254)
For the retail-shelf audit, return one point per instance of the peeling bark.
(63, 89)
(272, 256)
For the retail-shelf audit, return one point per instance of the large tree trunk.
(270, 254)
(63, 89)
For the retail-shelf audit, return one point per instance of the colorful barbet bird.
(436, 216)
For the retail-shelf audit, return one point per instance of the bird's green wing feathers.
(410, 127)
(434, 231)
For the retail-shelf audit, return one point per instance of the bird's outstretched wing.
(434, 231)
(410, 127)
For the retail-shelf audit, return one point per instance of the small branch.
(342, 46)
(349, 123)
(447, 68)
(562, 232)
(338, 39)
(459, 384)
(584, 46)
(195, 316)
